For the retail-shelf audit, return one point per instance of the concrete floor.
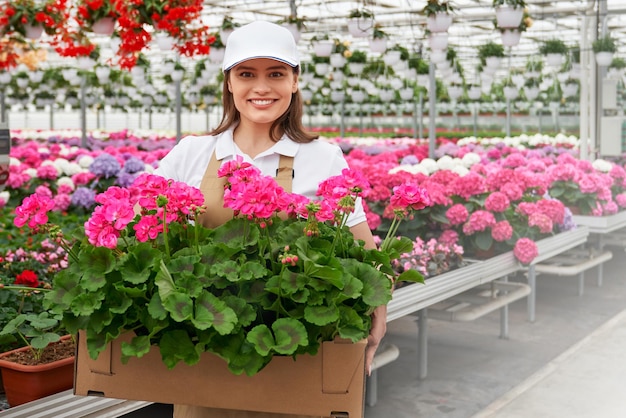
(570, 362)
(474, 373)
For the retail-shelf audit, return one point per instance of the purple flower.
(133, 165)
(105, 165)
(126, 179)
(409, 159)
(83, 197)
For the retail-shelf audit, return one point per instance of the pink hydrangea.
(479, 220)
(513, 191)
(620, 199)
(457, 214)
(525, 250)
(502, 231)
(497, 202)
(449, 237)
(541, 221)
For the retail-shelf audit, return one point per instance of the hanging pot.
(358, 96)
(407, 94)
(439, 22)
(455, 92)
(360, 27)
(33, 31)
(510, 92)
(391, 57)
(104, 26)
(604, 58)
(510, 37)
(293, 28)
(323, 48)
(337, 60)
(356, 68)
(216, 55)
(474, 93)
(493, 62)
(438, 40)
(555, 59)
(378, 45)
(508, 17)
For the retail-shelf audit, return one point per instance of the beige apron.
(216, 214)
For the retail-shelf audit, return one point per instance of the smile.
(261, 102)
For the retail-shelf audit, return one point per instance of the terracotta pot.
(24, 384)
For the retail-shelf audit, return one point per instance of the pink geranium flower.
(33, 211)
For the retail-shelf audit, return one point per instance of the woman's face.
(262, 89)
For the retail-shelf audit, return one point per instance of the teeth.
(261, 102)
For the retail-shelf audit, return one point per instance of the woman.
(262, 122)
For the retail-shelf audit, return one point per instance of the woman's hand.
(379, 328)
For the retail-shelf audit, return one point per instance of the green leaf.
(321, 315)
(41, 341)
(483, 240)
(262, 339)
(176, 346)
(139, 264)
(85, 304)
(164, 282)
(156, 308)
(289, 334)
(179, 305)
(327, 273)
(95, 263)
(138, 347)
(244, 311)
(212, 312)
(376, 286)
(410, 276)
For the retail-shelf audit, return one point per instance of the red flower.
(27, 278)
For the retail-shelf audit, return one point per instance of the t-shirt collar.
(225, 146)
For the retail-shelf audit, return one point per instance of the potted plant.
(97, 16)
(378, 42)
(491, 54)
(555, 51)
(604, 48)
(512, 35)
(295, 25)
(438, 15)
(30, 19)
(356, 61)
(509, 13)
(360, 23)
(44, 366)
(322, 45)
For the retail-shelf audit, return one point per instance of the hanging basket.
(493, 62)
(33, 31)
(439, 22)
(323, 48)
(293, 28)
(508, 17)
(360, 27)
(356, 68)
(555, 60)
(378, 45)
(510, 93)
(511, 37)
(438, 41)
(604, 58)
(104, 26)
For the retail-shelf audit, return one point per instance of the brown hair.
(289, 122)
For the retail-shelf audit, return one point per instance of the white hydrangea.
(470, 159)
(14, 161)
(446, 163)
(66, 181)
(148, 168)
(429, 165)
(73, 168)
(409, 168)
(31, 172)
(85, 161)
(602, 165)
(460, 170)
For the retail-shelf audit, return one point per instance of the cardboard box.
(331, 382)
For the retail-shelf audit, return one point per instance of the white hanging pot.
(293, 28)
(337, 96)
(386, 95)
(338, 76)
(323, 48)
(360, 27)
(378, 45)
(337, 60)
(510, 92)
(321, 68)
(33, 32)
(35, 76)
(437, 56)
(508, 17)
(493, 62)
(391, 57)
(164, 42)
(554, 59)
(358, 96)
(474, 93)
(439, 22)
(104, 26)
(531, 93)
(604, 58)
(518, 80)
(406, 93)
(570, 89)
(455, 92)
(22, 82)
(510, 37)
(438, 40)
(356, 68)
(216, 55)
(5, 77)
(224, 34)
(307, 95)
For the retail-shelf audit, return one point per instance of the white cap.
(260, 39)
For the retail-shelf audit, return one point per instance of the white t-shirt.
(313, 163)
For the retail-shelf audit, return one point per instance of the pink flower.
(409, 196)
(229, 167)
(502, 231)
(449, 237)
(62, 201)
(457, 214)
(47, 172)
(99, 231)
(621, 200)
(554, 209)
(543, 222)
(610, 208)
(148, 228)
(525, 250)
(33, 210)
(513, 191)
(497, 202)
(479, 220)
